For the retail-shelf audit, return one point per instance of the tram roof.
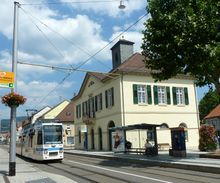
(135, 126)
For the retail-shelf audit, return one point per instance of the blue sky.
(64, 34)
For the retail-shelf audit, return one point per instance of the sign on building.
(6, 79)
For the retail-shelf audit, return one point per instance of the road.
(84, 169)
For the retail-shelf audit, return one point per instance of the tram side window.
(39, 138)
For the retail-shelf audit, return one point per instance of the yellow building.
(66, 116)
(128, 95)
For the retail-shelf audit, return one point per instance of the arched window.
(110, 125)
(164, 126)
(92, 139)
(79, 136)
(100, 138)
(183, 125)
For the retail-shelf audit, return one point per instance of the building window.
(70, 140)
(180, 96)
(91, 108)
(109, 97)
(98, 102)
(39, 138)
(164, 126)
(142, 94)
(79, 133)
(78, 111)
(162, 95)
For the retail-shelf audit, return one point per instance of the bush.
(207, 138)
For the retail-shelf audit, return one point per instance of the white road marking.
(125, 173)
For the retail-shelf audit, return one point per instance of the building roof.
(55, 110)
(133, 65)
(214, 113)
(67, 114)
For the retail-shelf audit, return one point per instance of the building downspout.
(123, 103)
(197, 109)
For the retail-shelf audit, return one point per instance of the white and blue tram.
(42, 140)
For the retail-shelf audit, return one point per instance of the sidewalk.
(26, 172)
(193, 161)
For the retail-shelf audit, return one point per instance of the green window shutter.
(135, 97)
(168, 95)
(100, 101)
(155, 95)
(106, 99)
(79, 110)
(149, 97)
(112, 91)
(186, 96)
(96, 104)
(174, 96)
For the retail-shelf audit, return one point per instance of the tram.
(42, 140)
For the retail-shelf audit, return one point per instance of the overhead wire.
(92, 56)
(66, 39)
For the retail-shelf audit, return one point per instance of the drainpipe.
(197, 110)
(123, 103)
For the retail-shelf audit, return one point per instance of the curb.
(149, 162)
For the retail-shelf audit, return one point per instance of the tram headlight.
(45, 151)
(61, 151)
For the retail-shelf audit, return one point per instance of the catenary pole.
(12, 156)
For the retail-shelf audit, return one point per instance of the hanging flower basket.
(13, 99)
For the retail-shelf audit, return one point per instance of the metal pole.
(12, 163)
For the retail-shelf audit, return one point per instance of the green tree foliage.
(183, 37)
(208, 102)
(207, 138)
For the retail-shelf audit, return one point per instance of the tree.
(208, 102)
(183, 37)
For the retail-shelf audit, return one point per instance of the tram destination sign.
(6, 79)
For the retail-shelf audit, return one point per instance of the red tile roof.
(214, 113)
(67, 114)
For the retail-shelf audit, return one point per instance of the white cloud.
(110, 8)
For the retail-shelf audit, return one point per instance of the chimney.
(122, 50)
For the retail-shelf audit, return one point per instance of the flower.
(13, 99)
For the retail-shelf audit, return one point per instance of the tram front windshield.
(52, 134)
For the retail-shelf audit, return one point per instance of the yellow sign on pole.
(6, 79)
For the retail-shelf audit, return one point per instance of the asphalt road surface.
(84, 169)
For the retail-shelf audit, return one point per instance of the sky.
(67, 34)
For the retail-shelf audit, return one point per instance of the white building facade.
(128, 95)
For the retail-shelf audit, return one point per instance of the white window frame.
(109, 97)
(162, 95)
(180, 97)
(142, 94)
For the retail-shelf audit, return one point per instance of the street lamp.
(121, 6)
(12, 157)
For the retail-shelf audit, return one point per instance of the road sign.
(6, 79)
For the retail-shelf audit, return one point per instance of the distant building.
(66, 116)
(53, 112)
(213, 118)
(128, 95)
(5, 123)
